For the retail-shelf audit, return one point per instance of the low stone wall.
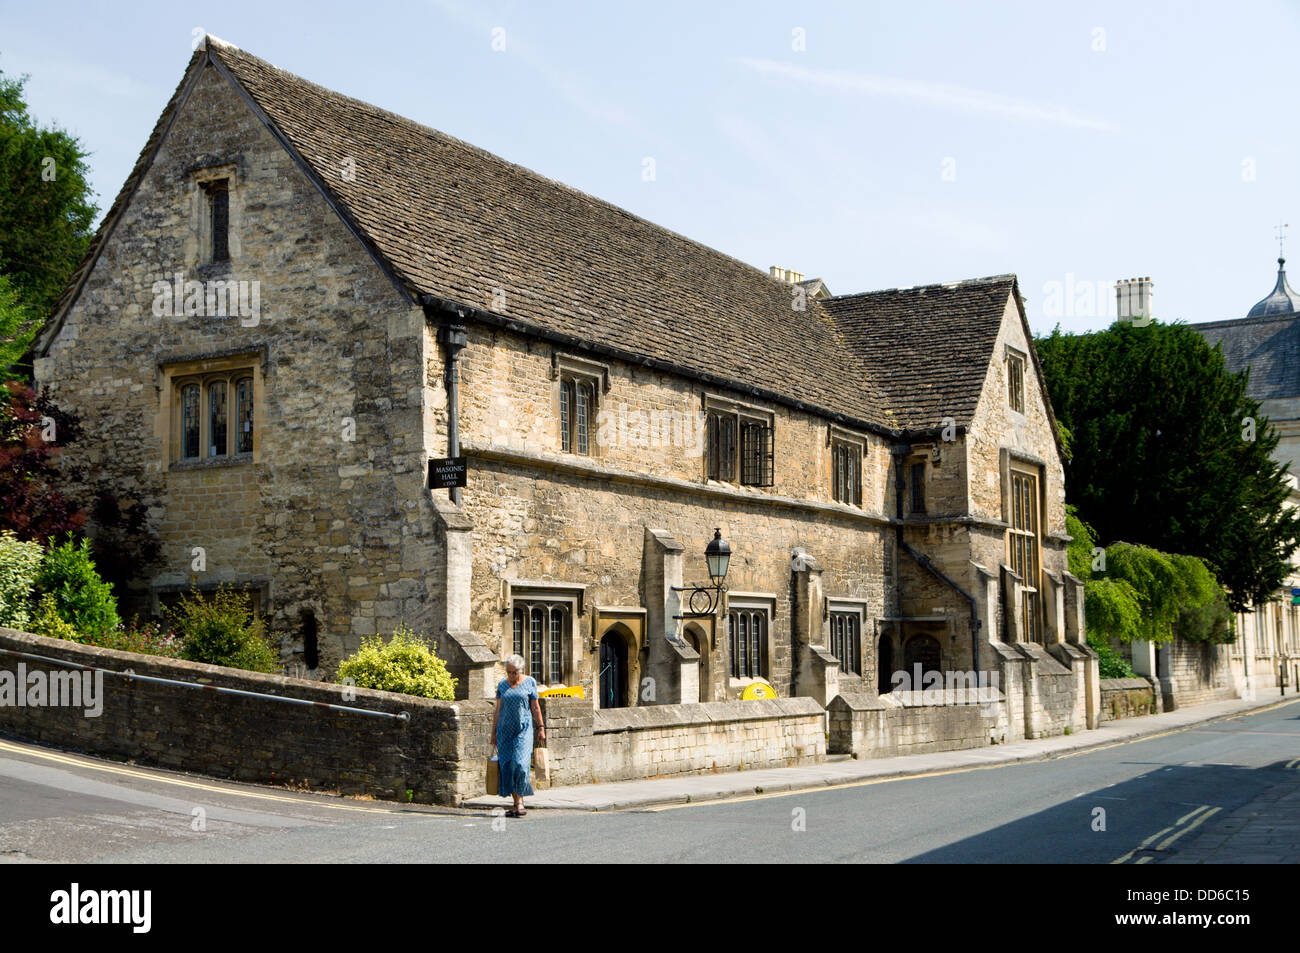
(439, 755)
(617, 744)
(1126, 698)
(898, 723)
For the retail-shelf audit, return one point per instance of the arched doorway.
(700, 642)
(612, 680)
(885, 665)
(921, 650)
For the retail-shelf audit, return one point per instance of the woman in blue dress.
(517, 710)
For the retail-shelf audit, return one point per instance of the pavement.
(843, 769)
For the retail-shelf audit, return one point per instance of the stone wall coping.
(869, 701)
(1124, 684)
(159, 666)
(647, 717)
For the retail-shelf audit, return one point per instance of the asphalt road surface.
(1128, 803)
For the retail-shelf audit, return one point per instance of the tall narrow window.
(310, 640)
(846, 473)
(756, 453)
(1022, 539)
(1016, 382)
(244, 415)
(538, 620)
(845, 627)
(918, 487)
(217, 419)
(747, 631)
(190, 422)
(519, 633)
(555, 669)
(577, 402)
(219, 207)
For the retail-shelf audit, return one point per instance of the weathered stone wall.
(590, 746)
(338, 526)
(542, 515)
(917, 722)
(439, 755)
(1192, 673)
(1126, 698)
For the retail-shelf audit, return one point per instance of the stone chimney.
(1133, 299)
(785, 274)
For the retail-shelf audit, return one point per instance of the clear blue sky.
(905, 144)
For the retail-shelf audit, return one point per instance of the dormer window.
(218, 193)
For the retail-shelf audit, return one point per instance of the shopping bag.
(542, 765)
(493, 775)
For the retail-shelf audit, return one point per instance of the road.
(1137, 802)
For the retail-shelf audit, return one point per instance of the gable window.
(738, 443)
(577, 403)
(918, 487)
(846, 472)
(213, 411)
(747, 630)
(541, 639)
(218, 193)
(1024, 545)
(844, 641)
(1016, 381)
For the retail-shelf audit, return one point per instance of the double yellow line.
(307, 800)
(1201, 815)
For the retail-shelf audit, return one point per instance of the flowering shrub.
(149, 638)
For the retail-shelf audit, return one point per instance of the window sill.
(215, 464)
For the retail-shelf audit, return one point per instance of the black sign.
(446, 472)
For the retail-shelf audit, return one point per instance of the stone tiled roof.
(932, 344)
(447, 219)
(1269, 347)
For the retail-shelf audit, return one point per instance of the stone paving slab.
(1265, 830)
(621, 795)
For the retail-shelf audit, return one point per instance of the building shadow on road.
(1150, 814)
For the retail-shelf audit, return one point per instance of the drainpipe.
(900, 452)
(452, 336)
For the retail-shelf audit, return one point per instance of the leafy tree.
(33, 432)
(1170, 452)
(45, 202)
(18, 324)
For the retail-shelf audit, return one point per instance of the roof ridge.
(966, 282)
(532, 173)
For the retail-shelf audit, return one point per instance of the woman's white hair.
(516, 662)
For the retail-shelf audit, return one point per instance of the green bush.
(1112, 664)
(49, 623)
(81, 598)
(405, 663)
(221, 630)
(20, 562)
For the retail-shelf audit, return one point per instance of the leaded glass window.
(217, 419)
(190, 422)
(244, 415)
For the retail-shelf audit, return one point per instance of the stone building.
(298, 300)
(1266, 342)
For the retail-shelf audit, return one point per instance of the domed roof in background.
(1282, 300)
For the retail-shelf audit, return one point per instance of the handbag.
(493, 774)
(542, 765)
